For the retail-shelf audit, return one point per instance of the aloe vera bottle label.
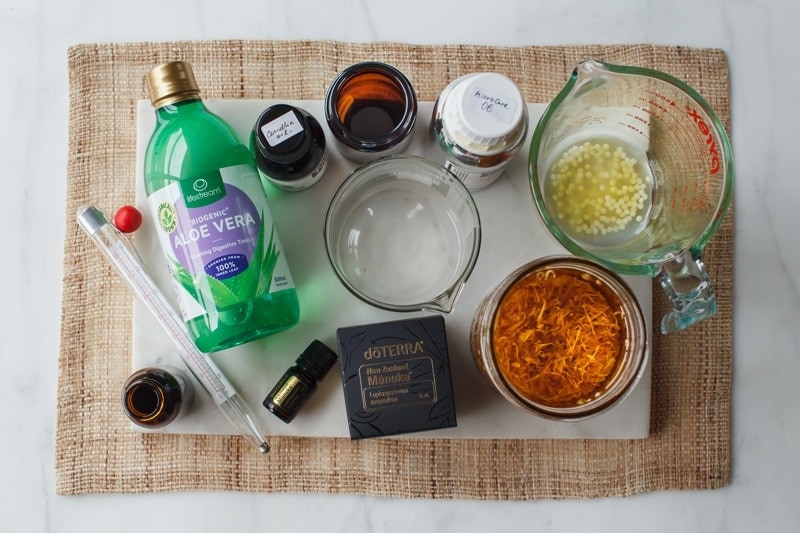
(219, 238)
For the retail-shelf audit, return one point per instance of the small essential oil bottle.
(288, 146)
(480, 122)
(297, 385)
(371, 109)
(155, 397)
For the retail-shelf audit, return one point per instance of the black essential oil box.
(396, 377)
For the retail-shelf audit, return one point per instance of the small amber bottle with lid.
(297, 385)
(155, 397)
(288, 146)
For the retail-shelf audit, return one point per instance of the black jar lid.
(317, 359)
(286, 140)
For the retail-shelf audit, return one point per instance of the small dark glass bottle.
(154, 397)
(288, 146)
(297, 385)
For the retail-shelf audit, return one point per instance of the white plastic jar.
(479, 121)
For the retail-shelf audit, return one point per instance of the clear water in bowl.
(401, 245)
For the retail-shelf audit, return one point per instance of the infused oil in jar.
(561, 337)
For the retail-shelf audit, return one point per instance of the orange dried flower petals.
(557, 336)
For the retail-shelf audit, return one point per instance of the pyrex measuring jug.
(632, 168)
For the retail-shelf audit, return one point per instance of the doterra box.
(396, 377)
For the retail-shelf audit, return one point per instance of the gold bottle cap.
(172, 82)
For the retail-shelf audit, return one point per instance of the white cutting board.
(512, 235)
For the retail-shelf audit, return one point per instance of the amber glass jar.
(562, 337)
(370, 109)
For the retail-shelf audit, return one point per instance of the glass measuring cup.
(632, 168)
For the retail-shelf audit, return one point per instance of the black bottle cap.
(317, 359)
(287, 140)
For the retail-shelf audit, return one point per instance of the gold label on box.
(407, 382)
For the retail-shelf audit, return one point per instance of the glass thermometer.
(119, 251)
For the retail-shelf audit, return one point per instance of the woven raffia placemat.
(96, 452)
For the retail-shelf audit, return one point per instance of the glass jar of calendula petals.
(562, 337)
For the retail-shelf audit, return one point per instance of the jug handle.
(690, 291)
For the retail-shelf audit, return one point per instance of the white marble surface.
(762, 41)
(482, 413)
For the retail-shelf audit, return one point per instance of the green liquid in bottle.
(213, 220)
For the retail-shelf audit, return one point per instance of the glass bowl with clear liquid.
(402, 233)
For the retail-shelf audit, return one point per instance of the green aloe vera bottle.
(213, 220)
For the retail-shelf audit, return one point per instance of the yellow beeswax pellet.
(597, 189)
